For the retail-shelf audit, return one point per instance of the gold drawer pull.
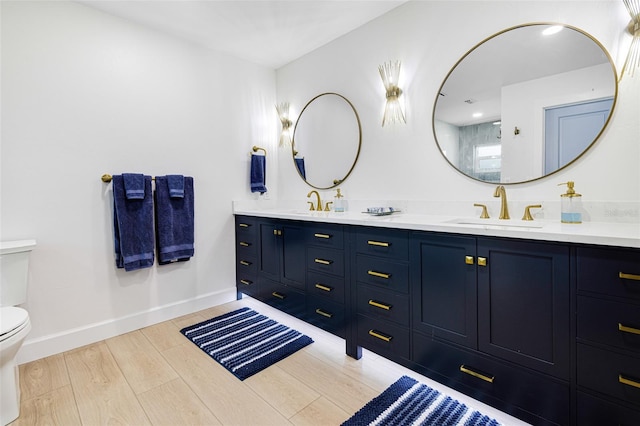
(378, 243)
(380, 336)
(245, 263)
(326, 236)
(246, 282)
(475, 374)
(380, 305)
(243, 225)
(323, 262)
(278, 295)
(482, 261)
(469, 260)
(633, 277)
(243, 244)
(379, 274)
(323, 287)
(626, 381)
(323, 313)
(628, 329)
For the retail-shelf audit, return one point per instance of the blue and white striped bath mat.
(409, 402)
(244, 341)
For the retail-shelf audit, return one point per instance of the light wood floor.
(156, 376)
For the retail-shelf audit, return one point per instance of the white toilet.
(14, 322)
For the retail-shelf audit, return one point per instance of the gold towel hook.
(257, 148)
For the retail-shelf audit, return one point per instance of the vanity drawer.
(392, 244)
(384, 305)
(284, 298)
(325, 235)
(246, 266)
(327, 315)
(615, 272)
(610, 323)
(326, 286)
(388, 274)
(596, 411)
(249, 286)
(246, 227)
(531, 392)
(382, 337)
(609, 372)
(246, 245)
(328, 261)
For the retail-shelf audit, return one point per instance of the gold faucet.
(504, 208)
(527, 211)
(319, 205)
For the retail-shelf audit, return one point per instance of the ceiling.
(269, 33)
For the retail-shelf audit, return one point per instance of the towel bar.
(106, 178)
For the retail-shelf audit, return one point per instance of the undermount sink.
(496, 223)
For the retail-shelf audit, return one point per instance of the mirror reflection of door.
(570, 129)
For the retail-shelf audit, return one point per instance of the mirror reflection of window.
(488, 159)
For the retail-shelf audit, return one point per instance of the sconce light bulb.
(283, 115)
(390, 73)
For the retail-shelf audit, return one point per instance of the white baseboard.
(52, 344)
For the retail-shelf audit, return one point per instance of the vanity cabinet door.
(282, 253)
(444, 291)
(269, 250)
(524, 304)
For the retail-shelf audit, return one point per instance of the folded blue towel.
(176, 186)
(133, 226)
(258, 173)
(134, 186)
(174, 222)
(300, 166)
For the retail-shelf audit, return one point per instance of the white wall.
(85, 93)
(403, 163)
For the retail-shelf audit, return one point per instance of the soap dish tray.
(384, 213)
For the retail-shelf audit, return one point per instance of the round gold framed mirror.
(326, 140)
(525, 103)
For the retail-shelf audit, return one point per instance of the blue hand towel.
(176, 186)
(300, 166)
(258, 173)
(133, 226)
(134, 186)
(174, 222)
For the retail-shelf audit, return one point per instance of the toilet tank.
(14, 267)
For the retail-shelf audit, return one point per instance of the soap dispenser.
(339, 203)
(571, 205)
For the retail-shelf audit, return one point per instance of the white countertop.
(600, 233)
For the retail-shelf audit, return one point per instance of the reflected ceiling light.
(633, 57)
(554, 29)
(283, 114)
(390, 73)
(477, 114)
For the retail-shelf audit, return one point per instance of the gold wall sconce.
(390, 73)
(283, 114)
(633, 56)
